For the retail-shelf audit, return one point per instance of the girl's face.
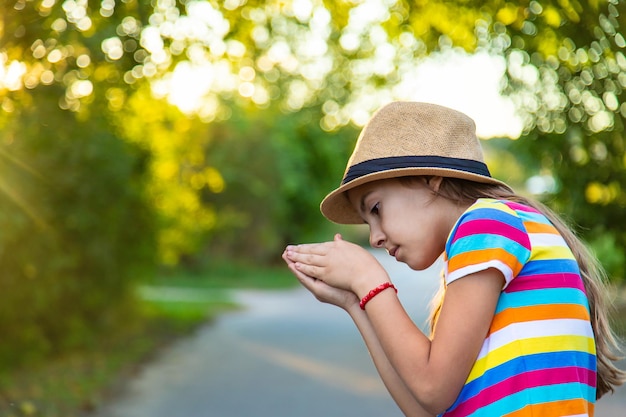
(408, 220)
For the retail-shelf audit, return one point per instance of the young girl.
(521, 328)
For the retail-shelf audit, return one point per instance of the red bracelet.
(375, 292)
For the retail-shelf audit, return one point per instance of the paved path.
(287, 355)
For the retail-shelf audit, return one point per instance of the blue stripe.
(550, 266)
(489, 241)
(537, 395)
(541, 296)
(533, 217)
(528, 363)
(495, 213)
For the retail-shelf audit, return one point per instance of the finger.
(310, 270)
(285, 257)
(304, 279)
(310, 283)
(291, 265)
(312, 248)
(305, 258)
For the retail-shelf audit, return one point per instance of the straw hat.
(405, 139)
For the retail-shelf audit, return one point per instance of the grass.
(171, 306)
(75, 383)
(223, 275)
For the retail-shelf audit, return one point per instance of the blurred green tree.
(308, 68)
(276, 168)
(77, 232)
(567, 72)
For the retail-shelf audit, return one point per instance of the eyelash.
(375, 208)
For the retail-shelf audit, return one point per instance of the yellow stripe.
(540, 253)
(489, 203)
(531, 346)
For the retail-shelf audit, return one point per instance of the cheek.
(426, 245)
(423, 258)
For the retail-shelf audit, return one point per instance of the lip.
(393, 251)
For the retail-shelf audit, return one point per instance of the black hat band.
(398, 162)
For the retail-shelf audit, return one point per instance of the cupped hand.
(338, 263)
(322, 291)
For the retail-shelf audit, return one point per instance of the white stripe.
(533, 329)
(470, 269)
(546, 239)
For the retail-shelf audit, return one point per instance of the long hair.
(593, 275)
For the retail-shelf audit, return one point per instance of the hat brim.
(337, 208)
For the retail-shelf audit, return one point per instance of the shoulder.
(491, 217)
(489, 234)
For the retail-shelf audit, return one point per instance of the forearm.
(394, 384)
(436, 370)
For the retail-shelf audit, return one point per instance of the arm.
(434, 371)
(350, 303)
(395, 385)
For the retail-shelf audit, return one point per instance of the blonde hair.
(593, 276)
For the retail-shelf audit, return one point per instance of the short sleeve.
(488, 235)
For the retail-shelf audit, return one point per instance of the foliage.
(276, 169)
(263, 100)
(339, 60)
(76, 231)
(71, 44)
(567, 70)
(178, 172)
(77, 382)
(588, 190)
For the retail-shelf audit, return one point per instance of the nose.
(377, 238)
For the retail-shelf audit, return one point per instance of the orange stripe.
(539, 312)
(556, 409)
(534, 227)
(480, 256)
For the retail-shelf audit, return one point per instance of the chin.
(420, 266)
(416, 266)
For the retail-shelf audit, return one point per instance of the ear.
(434, 183)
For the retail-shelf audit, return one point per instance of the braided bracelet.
(375, 292)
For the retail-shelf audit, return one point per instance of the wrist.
(367, 282)
(375, 291)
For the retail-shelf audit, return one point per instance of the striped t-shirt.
(538, 358)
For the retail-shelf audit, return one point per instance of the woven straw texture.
(405, 128)
(408, 129)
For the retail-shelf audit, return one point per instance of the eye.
(375, 208)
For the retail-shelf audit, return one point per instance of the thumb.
(338, 237)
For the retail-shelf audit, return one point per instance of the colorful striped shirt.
(538, 358)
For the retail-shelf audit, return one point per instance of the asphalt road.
(286, 355)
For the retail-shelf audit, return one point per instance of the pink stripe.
(521, 207)
(542, 281)
(494, 227)
(520, 382)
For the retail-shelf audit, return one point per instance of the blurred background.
(154, 145)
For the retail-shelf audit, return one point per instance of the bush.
(277, 168)
(76, 232)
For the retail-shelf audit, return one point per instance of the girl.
(521, 328)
